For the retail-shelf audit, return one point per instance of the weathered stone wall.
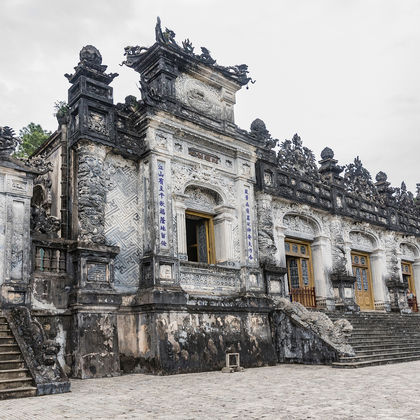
(183, 341)
(57, 327)
(95, 345)
(295, 344)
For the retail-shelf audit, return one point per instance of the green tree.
(31, 136)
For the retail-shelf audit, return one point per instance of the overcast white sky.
(340, 73)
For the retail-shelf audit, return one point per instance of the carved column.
(91, 192)
(378, 267)
(321, 265)
(180, 208)
(281, 258)
(416, 274)
(94, 301)
(223, 234)
(266, 243)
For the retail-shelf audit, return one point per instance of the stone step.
(379, 338)
(15, 383)
(357, 338)
(7, 340)
(350, 365)
(381, 346)
(385, 333)
(376, 342)
(10, 355)
(392, 327)
(380, 351)
(380, 355)
(9, 347)
(29, 391)
(4, 327)
(6, 334)
(396, 334)
(12, 364)
(14, 373)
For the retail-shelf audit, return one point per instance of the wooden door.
(407, 272)
(363, 286)
(299, 271)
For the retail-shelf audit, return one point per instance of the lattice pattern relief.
(122, 224)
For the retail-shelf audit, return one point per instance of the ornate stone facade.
(160, 228)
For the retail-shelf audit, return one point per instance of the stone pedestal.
(275, 280)
(94, 305)
(398, 295)
(343, 285)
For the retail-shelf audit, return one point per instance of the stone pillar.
(321, 262)
(16, 183)
(93, 301)
(416, 275)
(180, 208)
(223, 234)
(94, 304)
(266, 242)
(378, 269)
(91, 192)
(279, 235)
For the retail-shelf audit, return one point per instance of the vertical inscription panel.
(163, 217)
(16, 256)
(248, 223)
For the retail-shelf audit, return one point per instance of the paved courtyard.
(280, 392)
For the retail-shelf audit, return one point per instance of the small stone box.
(232, 363)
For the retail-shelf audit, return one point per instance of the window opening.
(200, 237)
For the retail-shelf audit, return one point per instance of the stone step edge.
(368, 363)
(5, 381)
(26, 388)
(380, 346)
(413, 353)
(14, 370)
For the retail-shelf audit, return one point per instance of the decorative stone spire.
(418, 197)
(294, 157)
(91, 66)
(8, 142)
(135, 56)
(329, 169)
(90, 88)
(358, 180)
(259, 132)
(382, 185)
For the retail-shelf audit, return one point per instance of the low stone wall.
(186, 341)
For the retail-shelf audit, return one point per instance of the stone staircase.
(15, 379)
(381, 338)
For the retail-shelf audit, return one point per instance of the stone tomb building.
(157, 236)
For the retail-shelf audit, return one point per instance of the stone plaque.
(16, 298)
(275, 287)
(97, 273)
(348, 293)
(165, 272)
